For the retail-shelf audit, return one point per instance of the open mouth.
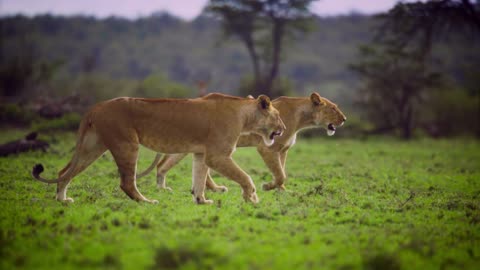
(275, 133)
(331, 129)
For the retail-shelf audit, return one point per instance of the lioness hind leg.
(62, 186)
(199, 176)
(62, 171)
(211, 185)
(87, 156)
(126, 159)
(274, 162)
(167, 162)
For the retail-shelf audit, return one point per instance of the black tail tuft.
(37, 170)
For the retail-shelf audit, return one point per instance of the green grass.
(374, 204)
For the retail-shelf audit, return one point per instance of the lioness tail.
(152, 166)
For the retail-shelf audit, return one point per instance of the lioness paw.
(165, 188)
(253, 198)
(268, 186)
(200, 200)
(220, 189)
(66, 200)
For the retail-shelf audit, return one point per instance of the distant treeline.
(45, 60)
(192, 52)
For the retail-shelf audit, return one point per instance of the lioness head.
(268, 121)
(326, 113)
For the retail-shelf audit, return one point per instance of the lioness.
(208, 127)
(297, 113)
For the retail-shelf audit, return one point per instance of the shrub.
(160, 86)
(450, 112)
(69, 121)
(281, 87)
(14, 114)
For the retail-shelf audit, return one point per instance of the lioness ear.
(263, 101)
(316, 99)
(250, 97)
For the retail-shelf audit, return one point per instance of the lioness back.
(166, 125)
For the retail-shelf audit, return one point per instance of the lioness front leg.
(126, 159)
(227, 167)
(274, 163)
(168, 162)
(211, 185)
(199, 176)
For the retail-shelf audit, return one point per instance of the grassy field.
(374, 204)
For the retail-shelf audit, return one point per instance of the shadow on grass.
(196, 256)
(382, 261)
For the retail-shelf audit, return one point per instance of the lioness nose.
(344, 119)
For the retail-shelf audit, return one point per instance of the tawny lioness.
(208, 127)
(297, 113)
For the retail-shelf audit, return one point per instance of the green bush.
(98, 87)
(69, 121)
(155, 86)
(281, 87)
(450, 112)
(14, 114)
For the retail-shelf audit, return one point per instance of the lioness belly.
(172, 127)
(165, 126)
(171, 145)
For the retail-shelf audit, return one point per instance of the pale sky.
(186, 9)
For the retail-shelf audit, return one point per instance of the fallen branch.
(29, 143)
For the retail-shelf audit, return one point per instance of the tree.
(248, 19)
(394, 84)
(24, 70)
(284, 16)
(418, 24)
(240, 19)
(395, 70)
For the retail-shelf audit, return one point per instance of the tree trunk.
(255, 62)
(407, 125)
(277, 38)
(474, 19)
(478, 118)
